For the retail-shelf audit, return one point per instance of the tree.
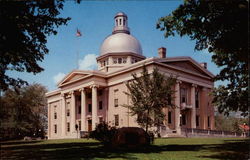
(149, 95)
(222, 28)
(23, 37)
(24, 112)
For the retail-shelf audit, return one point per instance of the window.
(100, 119)
(90, 107)
(55, 128)
(183, 95)
(183, 119)
(116, 22)
(68, 126)
(197, 99)
(124, 22)
(99, 92)
(116, 102)
(89, 95)
(68, 112)
(100, 105)
(124, 60)
(197, 120)
(169, 117)
(79, 109)
(79, 125)
(114, 60)
(117, 120)
(120, 21)
(55, 115)
(208, 122)
(119, 60)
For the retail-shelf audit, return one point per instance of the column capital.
(194, 85)
(178, 81)
(204, 88)
(81, 89)
(94, 86)
(71, 92)
(63, 95)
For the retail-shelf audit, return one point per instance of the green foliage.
(25, 25)
(230, 123)
(103, 133)
(149, 94)
(24, 112)
(222, 28)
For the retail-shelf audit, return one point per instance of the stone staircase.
(165, 132)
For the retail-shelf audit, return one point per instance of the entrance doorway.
(89, 125)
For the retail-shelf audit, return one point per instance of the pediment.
(72, 77)
(190, 65)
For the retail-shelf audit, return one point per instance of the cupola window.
(119, 60)
(114, 60)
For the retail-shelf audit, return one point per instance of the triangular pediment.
(72, 77)
(189, 65)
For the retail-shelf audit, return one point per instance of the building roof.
(120, 43)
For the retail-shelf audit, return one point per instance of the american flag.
(78, 33)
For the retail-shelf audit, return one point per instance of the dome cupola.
(121, 23)
(120, 48)
(120, 41)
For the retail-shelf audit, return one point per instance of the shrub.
(103, 133)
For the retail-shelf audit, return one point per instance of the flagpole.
(78, 34)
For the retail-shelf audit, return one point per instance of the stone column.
(129, 60)
(110, 61)
(203, 108)
(72, 113)
(49, 121)
(63, 115)
(193, 111)
(83, 109)
(94, 106)
(177, 109)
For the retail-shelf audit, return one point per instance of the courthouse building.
(85, 98)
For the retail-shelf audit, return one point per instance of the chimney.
(204, 65)
(162, 52)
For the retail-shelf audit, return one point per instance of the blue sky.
(95, 20)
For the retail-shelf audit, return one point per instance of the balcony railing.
(185, 106)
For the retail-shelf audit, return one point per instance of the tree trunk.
(147, 121)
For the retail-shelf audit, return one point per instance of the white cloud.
(58, 77)
(88, 62)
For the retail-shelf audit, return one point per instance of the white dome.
(120, 43)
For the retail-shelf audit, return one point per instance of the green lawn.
(165, 149)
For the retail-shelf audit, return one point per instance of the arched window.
(120, 21)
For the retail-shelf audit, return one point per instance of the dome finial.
(121, 23)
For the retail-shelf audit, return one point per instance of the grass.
(165, 149)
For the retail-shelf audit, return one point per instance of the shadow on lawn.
(90, 150)
(231, 150)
